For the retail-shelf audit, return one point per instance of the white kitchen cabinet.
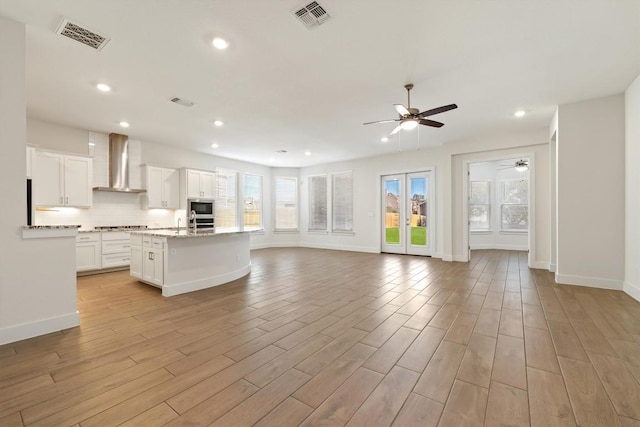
(88, 252)
(147, 259)
(163, 186)
(116, 249)
(200, 184)
(61, 180)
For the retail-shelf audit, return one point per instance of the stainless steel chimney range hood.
(119, 166)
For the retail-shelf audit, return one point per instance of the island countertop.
(184, 233)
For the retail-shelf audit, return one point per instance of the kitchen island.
(180, 261)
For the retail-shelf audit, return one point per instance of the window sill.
(481, 232)
(514, 231)
(317, 232)
(296, 231)
(343, 233)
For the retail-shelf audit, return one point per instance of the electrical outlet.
(174, 251)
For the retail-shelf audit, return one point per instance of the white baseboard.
(632, 290)
(553, 268)
(460, 258)
(340, 247)
(541, 265)
(500, 247)
(39, 327)
(447, 257)
(591, 282)
(209, 282)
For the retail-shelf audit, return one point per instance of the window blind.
(318, 203)
(286, 203)
(252, 193)
(226, 198)
(342, 202)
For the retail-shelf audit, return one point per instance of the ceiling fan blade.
(401, 109)
(431, 123)
(381, 121)
(438, 110)
(395, 130)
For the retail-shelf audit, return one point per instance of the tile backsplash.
(110, 209)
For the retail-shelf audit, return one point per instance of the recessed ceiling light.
(220, 43)
(103, 87)
(384, 139)
(124, 124)
(519, 113)
(307, 153)
(218, 123)
(214, 145)
(92, 144)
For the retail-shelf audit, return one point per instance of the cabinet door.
(171, 189)
(135, 268)
(193, 184)
(48, 183)
(78, 176)
(208, 185)
(88, 256)
(155, 183)
(148, 265)
(158, 268)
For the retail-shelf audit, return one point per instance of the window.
(342, 202)
(286, 203)
(252, 192)
(226, 198)
(318, 203)
(480, 206)
(514, 207)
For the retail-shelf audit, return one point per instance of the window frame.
(334, 203)
(311, 226)
(488, 205)
(260, 226)
(502, 204)
(218, 199)
(277, 229)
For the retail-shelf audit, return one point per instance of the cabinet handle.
(84, 238)
(125, 259)
(126, 246)
(61, 200)
(67, 200)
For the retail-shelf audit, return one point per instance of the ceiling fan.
(520, 165)
(411, 117)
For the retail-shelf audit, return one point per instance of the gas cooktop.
(120, 227)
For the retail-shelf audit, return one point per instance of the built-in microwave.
(201, 213)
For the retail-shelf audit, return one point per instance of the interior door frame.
(432, 200)
(532, 203)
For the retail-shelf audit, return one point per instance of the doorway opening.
(499, 204)
(408, 213)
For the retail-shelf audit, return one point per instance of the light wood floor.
(316, 337)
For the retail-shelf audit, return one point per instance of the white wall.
(37, 276)
(495, 172)
(590, 193)
(632, 189)
(367, 198)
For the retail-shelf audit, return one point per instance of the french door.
(407, 213)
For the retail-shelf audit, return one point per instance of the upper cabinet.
(62, 180)
(199, 184)
(163, 187)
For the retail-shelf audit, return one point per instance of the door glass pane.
(418, 219)
(392, 211)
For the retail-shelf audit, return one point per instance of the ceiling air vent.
(183, 102)
(80, 34)
(312, 15)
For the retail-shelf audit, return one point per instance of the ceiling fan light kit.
(410, 118)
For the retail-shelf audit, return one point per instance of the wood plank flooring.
(318, 337)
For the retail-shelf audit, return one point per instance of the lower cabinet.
(88, 252)
(116, 249)
(147, 259)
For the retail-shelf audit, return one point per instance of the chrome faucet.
(193, 219)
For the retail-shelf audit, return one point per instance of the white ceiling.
(280, 86)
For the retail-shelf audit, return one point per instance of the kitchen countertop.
(183, 233)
